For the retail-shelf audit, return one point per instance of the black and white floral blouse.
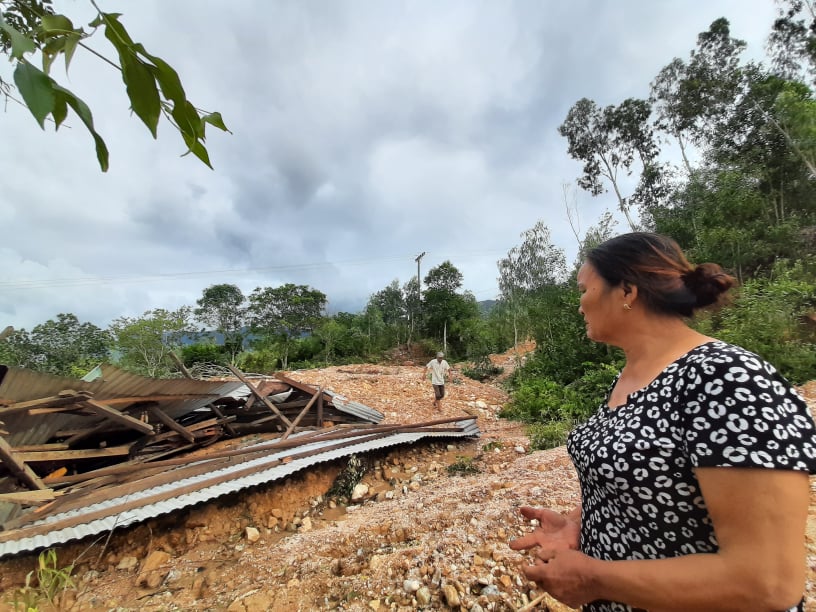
(717, 405)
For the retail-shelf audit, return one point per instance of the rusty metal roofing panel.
(19, 385)
(267, 471)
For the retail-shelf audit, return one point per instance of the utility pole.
(419, 281)
(419, 290)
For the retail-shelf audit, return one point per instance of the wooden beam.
(29, 498)
(320, 411)
(40, 447)
(299, 385)
(114, 415)
(54, 400)
(302, 414)
(18, 467)
(116, 401)
(162, 417)
(69, 455)
(59, 409)
(180, 365)
(255, 392)
(217, 412)
(78, 436)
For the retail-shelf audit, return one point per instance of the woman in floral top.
(694, 471)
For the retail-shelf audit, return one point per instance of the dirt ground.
(430, 532)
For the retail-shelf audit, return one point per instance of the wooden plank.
(180, 365)
(87, 433)
(29, 498)
(217, 412)
(76, 409)
(258, 395)
(68, 455)
(114, 415)
(40, 447)
(54, 400)
(320, 411)
(18, 467)
(136, 399)
(302, 386)
(302, 414)
(170, 423)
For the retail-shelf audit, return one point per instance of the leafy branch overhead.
(152, 85)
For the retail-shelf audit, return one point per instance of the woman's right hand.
(554, 532)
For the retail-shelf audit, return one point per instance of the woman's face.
(599, 308)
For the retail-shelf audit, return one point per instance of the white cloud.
(363, 134)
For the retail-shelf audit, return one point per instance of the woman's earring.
(627, 307)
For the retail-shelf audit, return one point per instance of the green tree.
(612, 141)
(223, 308)
(445, 311)
(792, 42)
(285, 313)
(691, 96)
(64, 347)
(529, 267)
(31, 31)
(145, 342)
(390, 303)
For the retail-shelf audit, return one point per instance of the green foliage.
(46, 583)
(463, 466)
(613, 141)
(284, 313)
(548, 435)
(543, 400)
(264, 360)
(64, 347)
(144, 343)
(772, 316)
(551, 409)
(152, 85)
(482, 370)
(562, 348)
(205, 352)
(348, 478)
(223, 308)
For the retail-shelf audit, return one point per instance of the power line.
(55, 283)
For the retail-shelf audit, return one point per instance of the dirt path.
(423, 536)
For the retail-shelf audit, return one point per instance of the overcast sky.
(364, 132)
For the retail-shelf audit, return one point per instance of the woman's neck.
(658, 341)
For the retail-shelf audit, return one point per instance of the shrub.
(548, 435)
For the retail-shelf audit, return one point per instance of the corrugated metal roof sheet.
(109, 514)
(19, 385)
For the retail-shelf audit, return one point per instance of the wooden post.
(19, 468)
(162, 417)
(180, 364)
(257, 394)
(302, 413)
(113, 414)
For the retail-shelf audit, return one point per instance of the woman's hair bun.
(708, 282)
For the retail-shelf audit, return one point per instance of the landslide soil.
(431, 532)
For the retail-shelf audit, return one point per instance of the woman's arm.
(759, 519)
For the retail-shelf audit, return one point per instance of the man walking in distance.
(439, 369)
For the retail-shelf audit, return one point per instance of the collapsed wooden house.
(80, 457)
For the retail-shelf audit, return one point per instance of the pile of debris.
(80, 457)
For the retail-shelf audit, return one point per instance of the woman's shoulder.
(718, 355)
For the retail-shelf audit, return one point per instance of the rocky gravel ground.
(426, 529)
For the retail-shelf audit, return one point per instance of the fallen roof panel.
(155, 501)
